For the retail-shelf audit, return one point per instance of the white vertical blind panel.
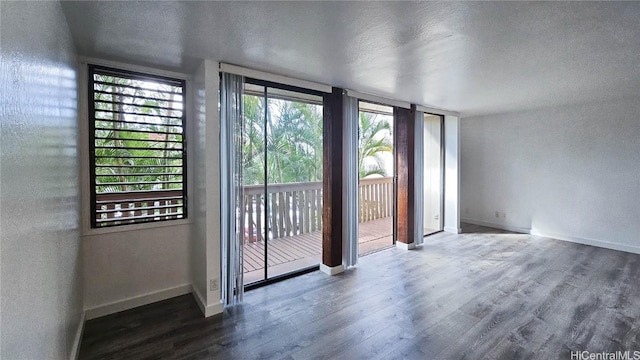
(350, 179)
(231, 187)
(419, 179)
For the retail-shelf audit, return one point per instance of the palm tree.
(253, 141)
(133, 152)
(296, 137)
(373, 140)
(294, 141)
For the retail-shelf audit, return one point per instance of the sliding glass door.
(253, 177)
(376, 195)
(282, 174)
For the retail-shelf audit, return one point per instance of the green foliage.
(132, 152)
(373, 140)
(294, 142)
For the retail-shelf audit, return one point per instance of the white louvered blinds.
(138, 147)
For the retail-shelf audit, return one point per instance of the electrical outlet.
(504, 215)
(497, 214)
(436, 217)
(213, 285)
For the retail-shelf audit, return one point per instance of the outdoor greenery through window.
(375, 174)
(375, 140)
(282, 162)
(138, 157)
(293, 131)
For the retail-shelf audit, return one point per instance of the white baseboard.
(506, 227)
(403, 246)
(331, 270)
(202, 304)
(75, 350)
(569, 238)
(587, 241)
(199, 299)
(452, 230)
(136, 301)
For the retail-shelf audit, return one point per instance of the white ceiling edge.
(552, 107)
(306, 84)
(378, 99)
(436, 111)
(262, 75)
(399, 103)
(281, 79)
(133, 67)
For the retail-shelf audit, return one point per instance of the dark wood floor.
(485, 294)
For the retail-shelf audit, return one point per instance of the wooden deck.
(299, 251)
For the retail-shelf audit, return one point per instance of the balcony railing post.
(296, 208)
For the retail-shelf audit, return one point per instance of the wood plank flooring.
(486, 294)
(295, 252)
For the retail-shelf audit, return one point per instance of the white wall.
(570, 172)
(126, 269)
(198, 236)
(41, 300)
(133, 265)
(205, 240)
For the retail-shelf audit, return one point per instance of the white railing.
(376, 198)
(296, 208)
(293, 209)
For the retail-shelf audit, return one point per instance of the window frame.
(92, 69)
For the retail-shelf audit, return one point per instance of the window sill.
(136, 227)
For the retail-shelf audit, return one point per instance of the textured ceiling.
(471, 57)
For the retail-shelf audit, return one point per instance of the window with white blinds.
(138, 147)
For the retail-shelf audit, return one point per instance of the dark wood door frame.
(405, 127)
(332, 182)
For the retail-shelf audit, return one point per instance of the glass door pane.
(294, 181)
(433, 174)
(376, 178)
(253, 177)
